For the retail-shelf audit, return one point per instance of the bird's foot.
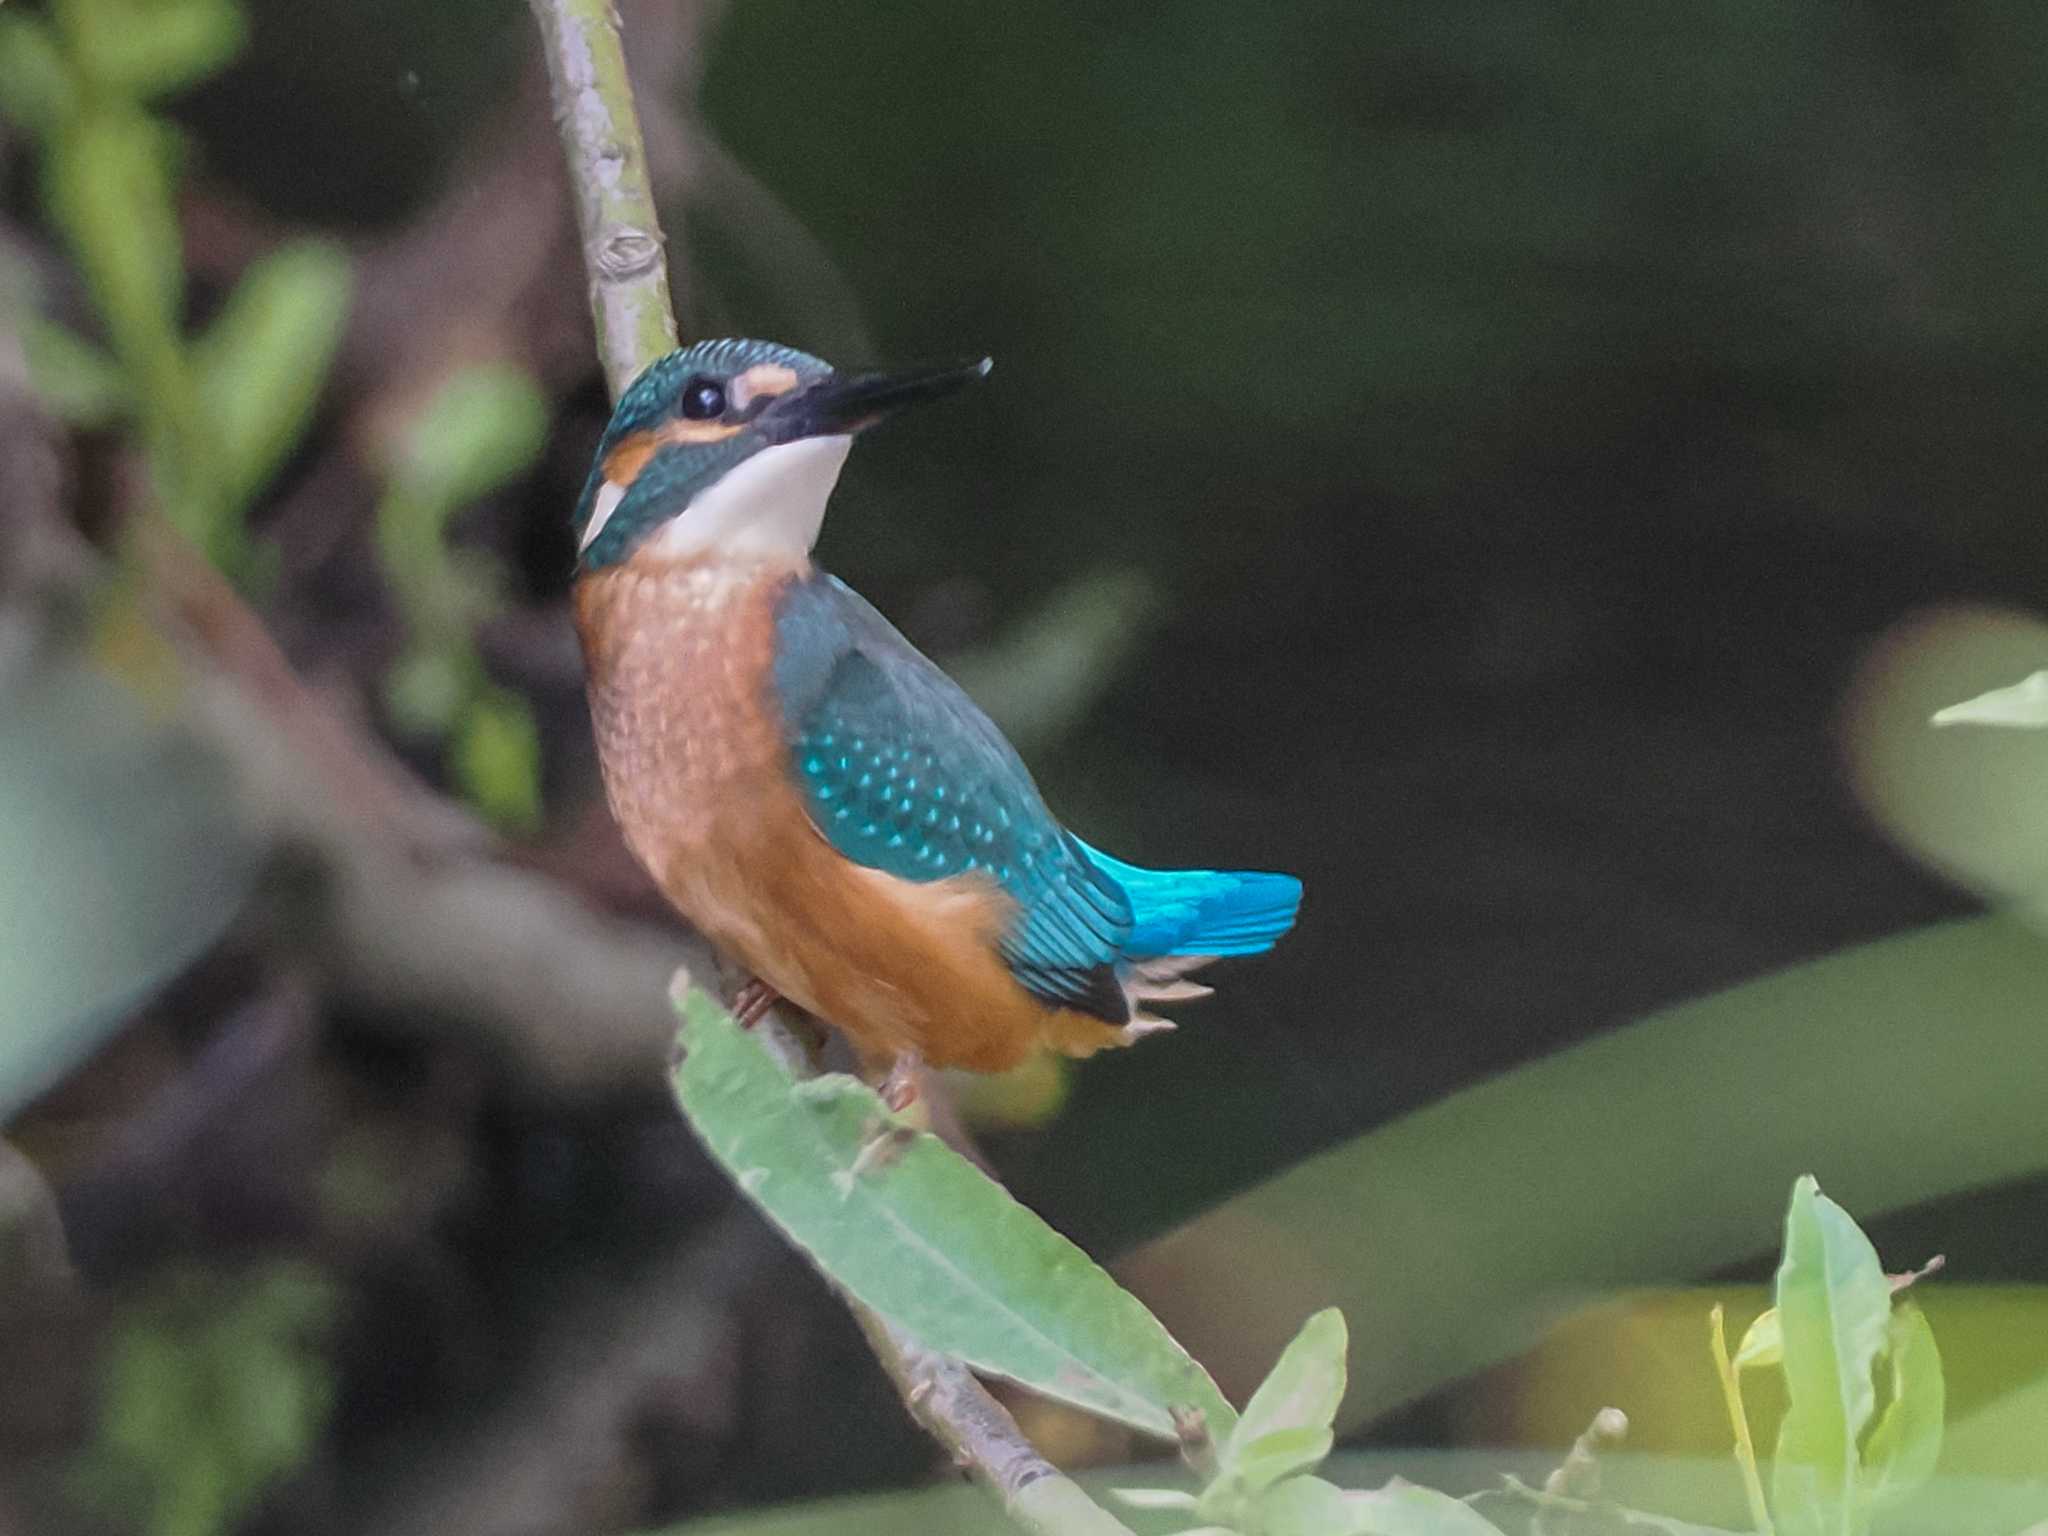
(900, 1088)
(751, 1003)
(887, 1137)
(885, 1143)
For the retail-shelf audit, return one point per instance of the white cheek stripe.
(602, 506)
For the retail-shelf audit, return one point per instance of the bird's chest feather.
(679, 657)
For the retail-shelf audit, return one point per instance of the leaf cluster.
(219, 409)
(921, 1237)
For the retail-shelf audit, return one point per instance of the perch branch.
(615, 212)
(943, 1395)
(630, 302)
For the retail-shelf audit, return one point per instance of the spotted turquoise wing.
(903, 773)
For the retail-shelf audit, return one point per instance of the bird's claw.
(751, 1003)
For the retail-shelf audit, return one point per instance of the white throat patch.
(770, 504)
(602, 506)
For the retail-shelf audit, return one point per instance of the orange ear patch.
(623, 464)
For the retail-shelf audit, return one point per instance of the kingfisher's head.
(734, 446)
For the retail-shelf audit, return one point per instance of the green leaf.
(1834, 1305)
(1306, 1506)
(1266, 1460)
(262, 363)
(75, 379)
(1947, 1009)
(110, 191)
(37, 91)
(1309, 1506)
(145, 48)
(1304, 1387)
(483, 427)
(1763, 1341)
(497, 760)
(2022, 705)
(1905, 1443)
(923, 1237)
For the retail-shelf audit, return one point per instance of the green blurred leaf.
(1606, 1187)
(1306, 1506)
(125, 858)
(1834, 1307)
(262, 363)
(74, 378)
(145, 48)
(215, 1388)
(1257, 1466)
(497, 760)
(1905, 1443)
(1763, 1342)
(110, 190)
(1310, 1506)
(482, 428)
(2023, 705)
(924, 1238)
(426, 691)
(37, 91)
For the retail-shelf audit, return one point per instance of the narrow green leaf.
(1255, 1467)
(155, 47)
(37, 91)
(1905, 1443)
(1763, 1342)
(74, 378)
(483, 427)
(263, 361)
(497, 760)
(1302, 1390)
(923, 1237)
(1834, 1306)
(110, 192)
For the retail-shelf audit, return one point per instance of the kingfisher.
(816, 797)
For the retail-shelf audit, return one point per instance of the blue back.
(902, 772)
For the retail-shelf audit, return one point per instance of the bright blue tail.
(1201, 911)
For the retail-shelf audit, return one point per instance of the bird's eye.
(703, 398)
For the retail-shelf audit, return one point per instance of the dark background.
(1524, 421)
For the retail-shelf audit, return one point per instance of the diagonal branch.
(630, 302)
(614, 199)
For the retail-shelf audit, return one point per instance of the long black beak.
(837, 405)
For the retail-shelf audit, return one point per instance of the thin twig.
(630, 302)
(614, 199)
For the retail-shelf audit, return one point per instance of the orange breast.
(679, 657)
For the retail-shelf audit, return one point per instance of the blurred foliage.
(1611, 1183)
(1860, 1436)
(218, 411)
(1519, 417)
(1840, 1461)
(125, 860)
(482, 429)
(216, 1386)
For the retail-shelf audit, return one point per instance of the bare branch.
(622, 245)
